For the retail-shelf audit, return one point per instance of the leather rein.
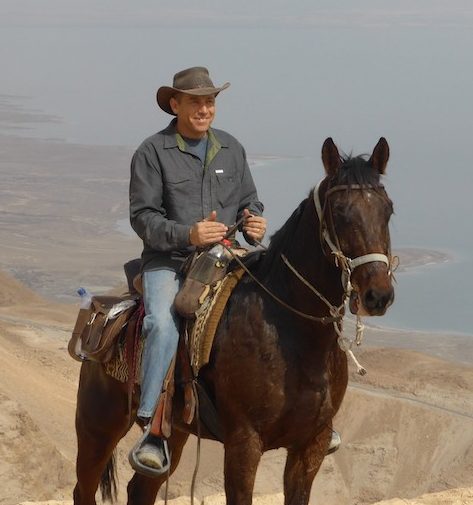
(346, 264)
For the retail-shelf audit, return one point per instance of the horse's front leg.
(302, 465)
(243, 451)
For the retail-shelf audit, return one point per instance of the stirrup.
(147, 470)
(335, 442)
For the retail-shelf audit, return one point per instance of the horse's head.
(354, 214)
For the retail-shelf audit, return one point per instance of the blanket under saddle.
(201, 331)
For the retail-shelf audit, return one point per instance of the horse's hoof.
(335, 442)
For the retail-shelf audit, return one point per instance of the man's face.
(194, 114)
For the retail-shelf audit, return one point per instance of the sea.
(291, 88)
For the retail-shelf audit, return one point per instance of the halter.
(347, 264)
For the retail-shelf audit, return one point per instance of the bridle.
(346, 264)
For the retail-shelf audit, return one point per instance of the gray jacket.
(170, 189)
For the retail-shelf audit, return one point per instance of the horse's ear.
(330, 156)
(380, 156)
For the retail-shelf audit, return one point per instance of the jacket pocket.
(178, 191)
(227, 189)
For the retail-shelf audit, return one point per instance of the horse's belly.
(298, 424)
(281, 420)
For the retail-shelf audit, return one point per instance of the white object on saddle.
(118, 308)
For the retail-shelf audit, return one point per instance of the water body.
(431, 297)
(291, 88)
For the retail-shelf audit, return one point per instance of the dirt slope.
(407, 426)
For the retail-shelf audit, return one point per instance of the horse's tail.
(108, 481)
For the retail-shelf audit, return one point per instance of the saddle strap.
(187, 378)
(162, 418)
(132, 338)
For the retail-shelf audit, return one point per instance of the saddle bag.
(99, 327)
(201, 270)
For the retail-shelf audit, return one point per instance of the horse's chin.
(356, 306)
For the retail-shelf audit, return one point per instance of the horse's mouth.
(358, 308)
(356, 305)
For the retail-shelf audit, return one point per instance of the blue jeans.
(161, 332)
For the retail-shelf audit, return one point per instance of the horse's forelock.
(355, 171)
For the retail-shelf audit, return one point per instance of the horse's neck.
(307, 257)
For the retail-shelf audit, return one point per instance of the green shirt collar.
(174, 139)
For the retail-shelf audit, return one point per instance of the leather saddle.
(193, 353)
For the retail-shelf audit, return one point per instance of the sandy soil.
(407, 426)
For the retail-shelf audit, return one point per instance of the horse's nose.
(376, 301)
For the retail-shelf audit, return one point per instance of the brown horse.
(277, 374)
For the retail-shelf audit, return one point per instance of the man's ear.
(174, 104)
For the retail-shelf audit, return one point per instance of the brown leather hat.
(193, 81)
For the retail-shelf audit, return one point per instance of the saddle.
(109, 332)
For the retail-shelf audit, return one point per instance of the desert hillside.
(407, 426)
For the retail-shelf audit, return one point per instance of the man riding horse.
(189, 184)
(277, 372)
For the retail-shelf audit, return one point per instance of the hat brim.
(164, 94)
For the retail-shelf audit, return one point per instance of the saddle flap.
(98, 327)
(103, 304)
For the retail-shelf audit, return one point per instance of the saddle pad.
(208, 316)
(128, 352)
(118, 367)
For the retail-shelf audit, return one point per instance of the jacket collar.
(173, 139)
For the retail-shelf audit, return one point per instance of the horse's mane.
(280, 239)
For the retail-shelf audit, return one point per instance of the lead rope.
(197, 419)
(199, 438)
(323, 320)
(334, 311)
(166, 489)
(348, 265)
(344, 343)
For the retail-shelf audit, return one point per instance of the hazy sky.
(243, 13)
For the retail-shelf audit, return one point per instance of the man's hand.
(254, 226)
(208, 231)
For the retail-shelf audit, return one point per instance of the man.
(189, 184)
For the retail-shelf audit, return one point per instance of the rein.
(335, 318)
(346, 264)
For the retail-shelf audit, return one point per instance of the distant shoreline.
(415, 257)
